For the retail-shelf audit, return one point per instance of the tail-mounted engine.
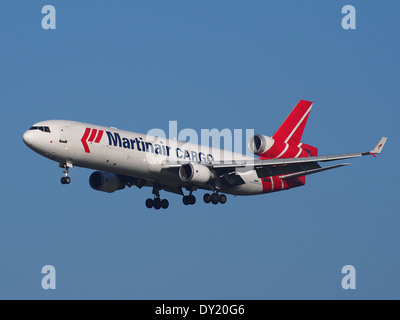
(269, 148)
(259, 144)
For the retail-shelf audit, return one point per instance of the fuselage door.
(63, 135)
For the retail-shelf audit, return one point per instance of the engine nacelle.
(269, 148)
(195, 173)
(260, 144)
(105, 181)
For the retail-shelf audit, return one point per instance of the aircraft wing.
(292, 161)
(285, 168)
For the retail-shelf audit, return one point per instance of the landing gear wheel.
(65, 180)
(186, 200)
(164, 204)
(215, 198)
(192, 199)
(222, 199)
(149, 203)
(157, 203)
(207, 198)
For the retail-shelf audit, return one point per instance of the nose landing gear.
(66, 179)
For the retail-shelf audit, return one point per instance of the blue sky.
(207, 64)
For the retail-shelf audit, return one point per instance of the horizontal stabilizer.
(312, 171)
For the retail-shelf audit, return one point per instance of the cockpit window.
(44, 129)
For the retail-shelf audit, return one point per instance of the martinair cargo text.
(124, 158)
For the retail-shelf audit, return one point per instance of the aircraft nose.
(28, 138)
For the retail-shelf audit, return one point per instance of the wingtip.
(378, 148)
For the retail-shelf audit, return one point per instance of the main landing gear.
(157, 203)
(66, 179)
(215, 198)
(189, 200)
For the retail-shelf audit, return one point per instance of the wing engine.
(195, 173)
(106, 182)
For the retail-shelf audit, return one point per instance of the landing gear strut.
(157, 203)
(215, 198)
(66, 179)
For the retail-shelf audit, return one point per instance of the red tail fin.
(292, 128)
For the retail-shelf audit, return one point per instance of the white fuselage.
(128, 153)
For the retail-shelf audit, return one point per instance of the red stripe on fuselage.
(284, 151)
(93, 135)
(266, 183)
(99, 136)
(84, 140)
(273, 184)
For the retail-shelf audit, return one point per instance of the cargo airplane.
(124, 158)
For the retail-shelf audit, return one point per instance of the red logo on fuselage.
(91, 135)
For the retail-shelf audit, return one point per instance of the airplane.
(125, 159)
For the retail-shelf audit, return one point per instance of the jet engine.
(269, 148)
(105, 181)
(195, 173)
(260, 144)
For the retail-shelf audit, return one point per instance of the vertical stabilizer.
(292, 128)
